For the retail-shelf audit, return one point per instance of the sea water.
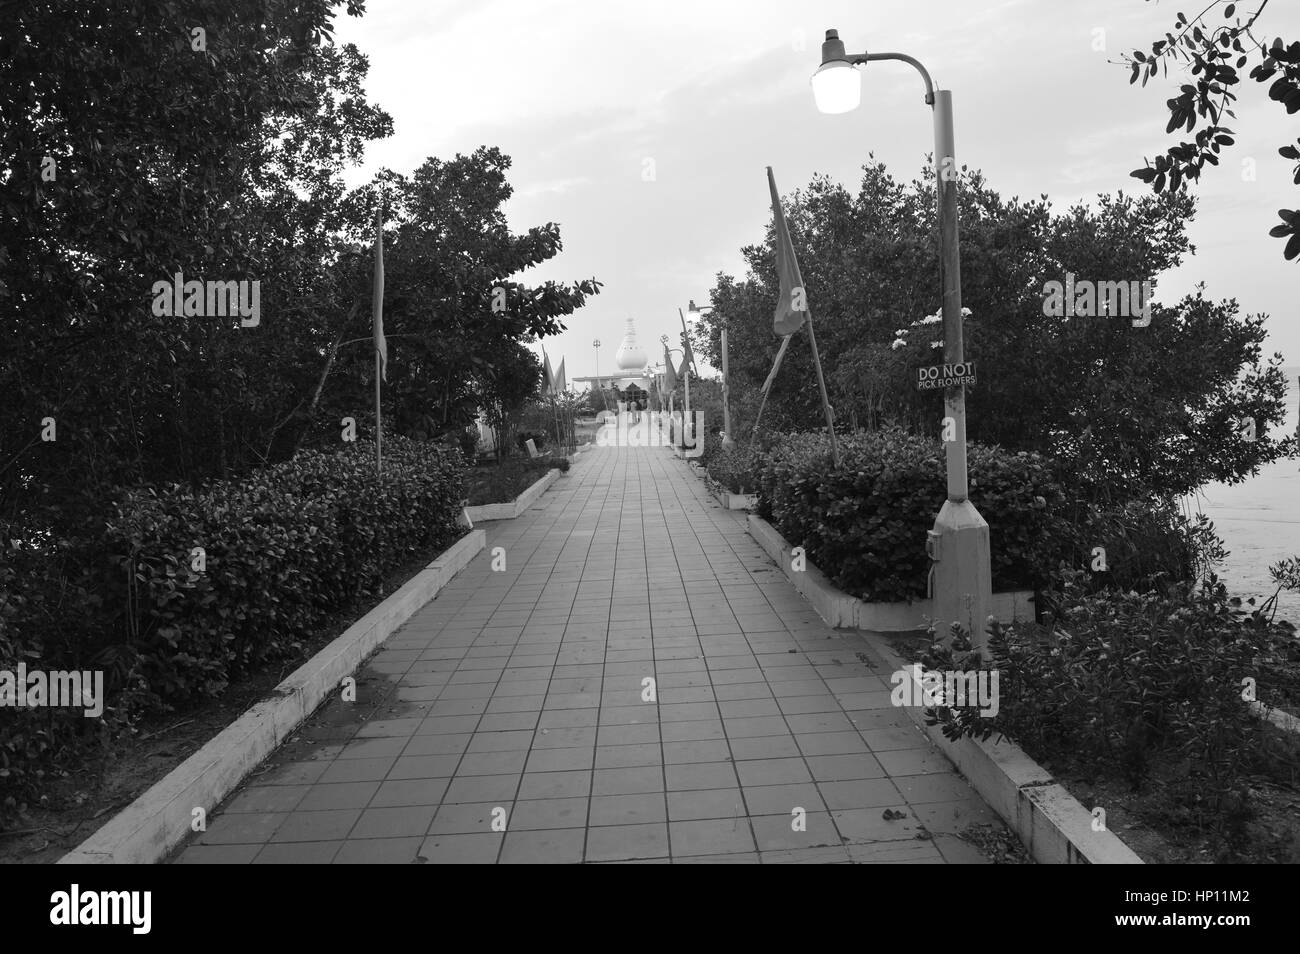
(1259, 520)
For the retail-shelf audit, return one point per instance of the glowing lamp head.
(837, 87)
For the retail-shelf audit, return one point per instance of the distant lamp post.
(603, 397)
(959, 543)
(699, 313)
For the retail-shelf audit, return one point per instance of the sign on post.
(938, 376)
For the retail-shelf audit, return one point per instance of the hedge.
(864, 522)
(284, 549)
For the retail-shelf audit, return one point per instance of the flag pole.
(686, 410)
(377, 319)
(821, 383)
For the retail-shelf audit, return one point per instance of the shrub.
(1120, 682)
(284, 548)
(864, 523)
(736, 470)
(502, 482)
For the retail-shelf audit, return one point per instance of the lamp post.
(604, 399)
(959, 543)
(663, 339)
(727, 442)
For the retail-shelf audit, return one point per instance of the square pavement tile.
(576, 784)
(298, 853)
(317, 826)
(869, 825)
(627, 842)
(831, 855)
(469, 818)
(339, 795)
(765, 747)
(628, 756)
(895, 737)
(861, 793)
(913, 852)
(411, 820)
(242, 828)
(775, 799)
(713, 836)
(954, 817)
(700, 775)
(772, 772)
(378, 851)
(491, 763)
(705, 803)
(832, 743)
(705, 750)
(773, 832)
(627, 809)
(267, 798)
(922, 789)
(546, 813)
(481, 849)
(914, 762)
(412, 791)
(554, 847)
(482, 788)
(560, 760)
(424, 766)
(218, 854)
(628, 781)
(836, 768)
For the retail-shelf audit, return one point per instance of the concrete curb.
(843, 611)
(1283, 720)
(147, 829)
(508, 511)
(1051, 823)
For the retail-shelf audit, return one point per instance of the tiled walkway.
(508, 721)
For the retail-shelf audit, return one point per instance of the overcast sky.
(584, 95)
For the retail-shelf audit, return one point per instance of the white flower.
(898, 343)
(965, 312)
(930, 320)
(936, 344)
(900, 332)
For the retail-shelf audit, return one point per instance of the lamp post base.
(963, 573)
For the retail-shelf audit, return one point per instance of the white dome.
(630, 357)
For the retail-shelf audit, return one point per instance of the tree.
(1132, 410)
(1214, 53)
(136, 145)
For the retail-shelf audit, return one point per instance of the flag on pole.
(561, 383)
(548, 376)
(377, 306)
(670, 375)
(791, 304)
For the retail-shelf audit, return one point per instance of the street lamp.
(604, 399)
(959, 542)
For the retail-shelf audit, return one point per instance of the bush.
(864, 523)
(284, 549)
(503, 481)
(1122, 682)
(736, 471)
